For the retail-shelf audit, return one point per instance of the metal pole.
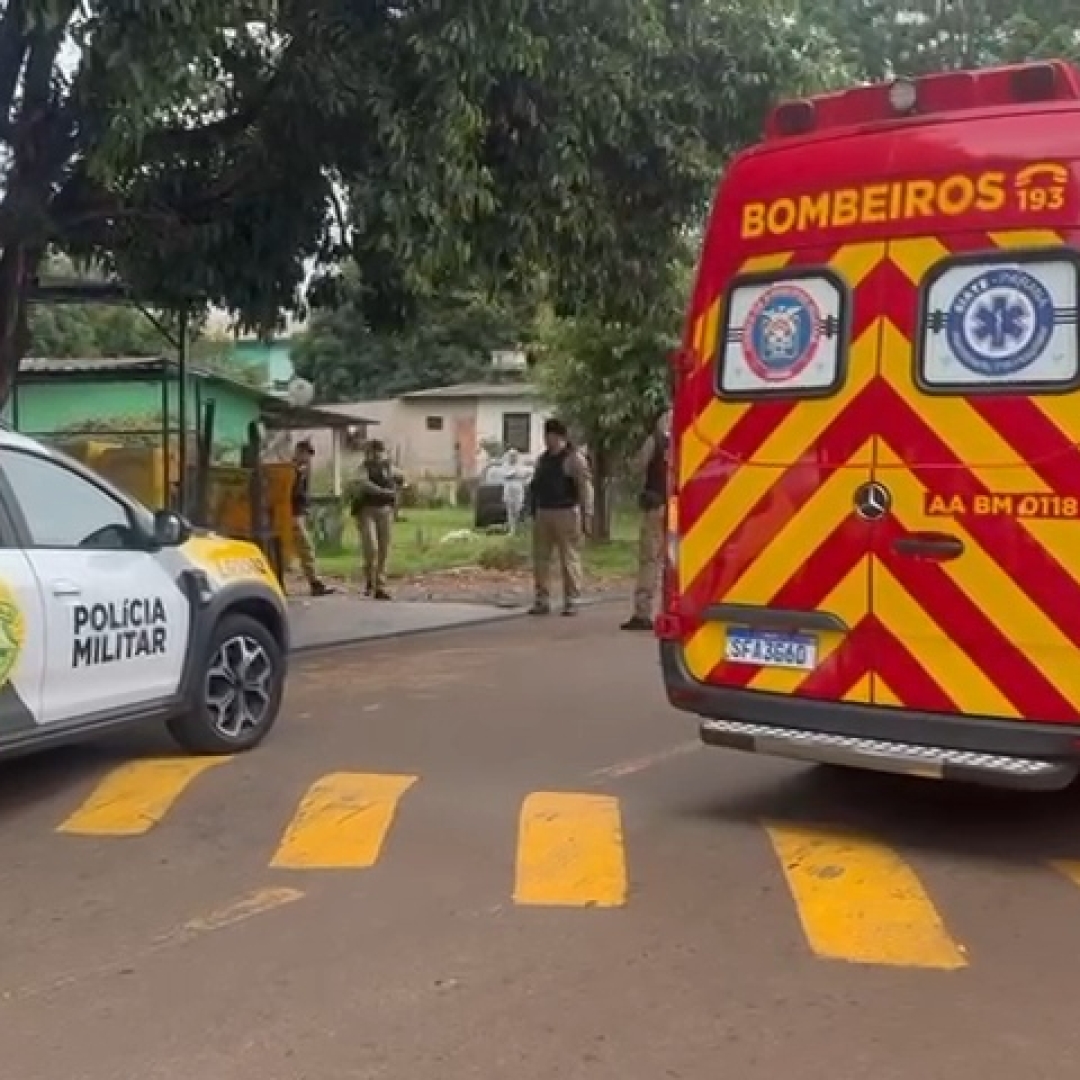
(182, 408)
(166, 469)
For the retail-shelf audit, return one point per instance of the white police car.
(112, 615)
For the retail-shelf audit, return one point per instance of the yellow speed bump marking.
(570, 851)
(133, 798)
(342, 822)
(859, 901)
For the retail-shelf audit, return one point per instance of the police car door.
(22, 639)
(116, 623)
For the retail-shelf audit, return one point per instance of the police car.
(112, 615)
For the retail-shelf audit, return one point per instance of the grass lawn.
(418, 546)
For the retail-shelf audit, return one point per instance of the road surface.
(497, 853)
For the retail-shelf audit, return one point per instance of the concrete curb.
(417, 631)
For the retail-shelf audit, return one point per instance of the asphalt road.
(497, 853)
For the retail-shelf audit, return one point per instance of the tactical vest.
(378, 472)
(654, 493)
(552, 487)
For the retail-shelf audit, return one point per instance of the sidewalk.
(339, 620)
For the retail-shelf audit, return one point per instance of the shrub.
(501, 556)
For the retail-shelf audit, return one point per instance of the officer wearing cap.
(303, 455)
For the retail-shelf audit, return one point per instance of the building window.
(434, 423)
(517, 431)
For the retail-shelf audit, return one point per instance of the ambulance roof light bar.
(927, 95)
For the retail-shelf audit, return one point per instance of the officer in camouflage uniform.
(653, 463)
(303, 456)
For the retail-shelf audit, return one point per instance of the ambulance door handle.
(929, 545)
(65, 588)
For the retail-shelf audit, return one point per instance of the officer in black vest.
(560, 500)
(653, 463)
(374, 496)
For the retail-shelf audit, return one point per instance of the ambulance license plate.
(767, 648)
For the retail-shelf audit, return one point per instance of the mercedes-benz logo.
(872, 501)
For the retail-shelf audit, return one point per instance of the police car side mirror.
(170, 529)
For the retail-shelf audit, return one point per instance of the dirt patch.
(469, 585)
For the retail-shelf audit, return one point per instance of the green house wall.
(68, 404)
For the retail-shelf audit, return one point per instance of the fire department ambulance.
(111, 615)
(874, 529)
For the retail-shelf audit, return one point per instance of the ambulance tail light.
(1035, 82)
(668, 625)
(792, 118)
(927, 96)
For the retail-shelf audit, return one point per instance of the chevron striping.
(979, 575)
(861, 692)
(828, 507)
(1026, 238)
(895, 664)
(966, 624)
(728, 423)
(883, 694)
(935, 649)
(826, 567)
(849, 601)
(1042, 577)
(796, 439)
(953, 419)
(714, 420)
(762, 264)
(855, 261)
(1004, 614)
(1034, 439)
(916, 256)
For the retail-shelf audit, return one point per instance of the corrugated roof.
(276, 408)
(475, 389)
(97, 365)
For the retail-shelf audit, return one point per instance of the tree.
(166, 141)
(611, 380)
(880, 39)
(450, 340)
(207, 151)
(602, 154)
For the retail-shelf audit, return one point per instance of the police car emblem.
(782, 333)
(1001, 322)
(12, 632)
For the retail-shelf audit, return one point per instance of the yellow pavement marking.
(342, 822)
(859, 901)
(1069, 867)
(133, 798)
(570, 851)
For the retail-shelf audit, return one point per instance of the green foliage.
(450, 341)
(880, 38)
(610, 380)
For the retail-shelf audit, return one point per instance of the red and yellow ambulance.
(874, 529)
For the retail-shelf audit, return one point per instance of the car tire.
(238, 692)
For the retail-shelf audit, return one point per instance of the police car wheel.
(240, 693)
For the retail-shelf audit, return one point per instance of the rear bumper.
(982, 750)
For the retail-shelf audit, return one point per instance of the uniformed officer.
(374, 497)
(303, 455)
(560, 502)
(653, 464)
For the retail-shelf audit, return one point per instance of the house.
(269, 358)
(138, 398)
(449, 432)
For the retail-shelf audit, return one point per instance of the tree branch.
(12, 54)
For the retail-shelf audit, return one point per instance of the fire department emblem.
(783, 333)
(1001, 322)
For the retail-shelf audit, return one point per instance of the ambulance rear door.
(976, 576)
(776, 445)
